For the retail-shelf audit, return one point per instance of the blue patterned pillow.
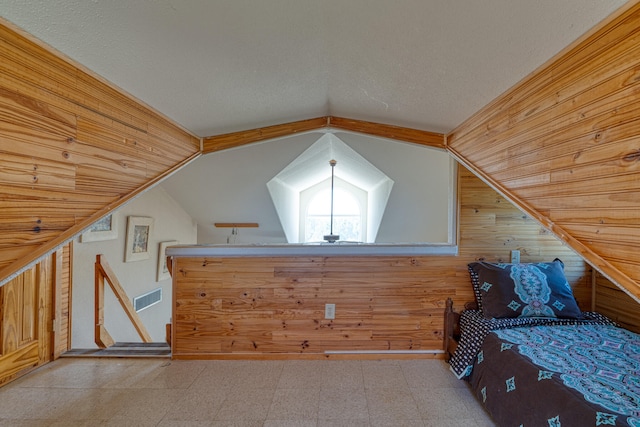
(524, 290)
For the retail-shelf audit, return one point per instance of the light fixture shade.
(331, 238)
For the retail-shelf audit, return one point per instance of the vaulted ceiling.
(228, 65)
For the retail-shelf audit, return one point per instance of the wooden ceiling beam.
(236, 139)
(397, 133)
(215, 143)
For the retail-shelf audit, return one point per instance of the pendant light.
(331, 238)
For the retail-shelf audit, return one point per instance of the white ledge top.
(317, 249)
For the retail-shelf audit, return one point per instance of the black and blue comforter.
(567, 373)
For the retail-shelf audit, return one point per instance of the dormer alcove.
(312, 168)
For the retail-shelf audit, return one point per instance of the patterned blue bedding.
(571, 375)
(475, 327)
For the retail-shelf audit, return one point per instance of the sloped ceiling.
(227, 65)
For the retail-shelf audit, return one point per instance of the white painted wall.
(171, 222)
(230, 186)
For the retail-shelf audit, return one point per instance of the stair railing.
(102, 337)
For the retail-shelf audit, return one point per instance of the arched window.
(349, 212)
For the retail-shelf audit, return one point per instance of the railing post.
(102, 337)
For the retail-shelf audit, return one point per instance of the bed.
(533, 358)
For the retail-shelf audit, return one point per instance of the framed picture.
(163, 270)
(105, 228)
(138, 238)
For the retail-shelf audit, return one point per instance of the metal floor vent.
(147, 300)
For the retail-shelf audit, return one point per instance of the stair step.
(124, 349)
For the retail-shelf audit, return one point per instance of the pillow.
(523, 290)
(475, 285)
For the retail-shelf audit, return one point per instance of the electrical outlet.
(330, 311)
(515, 257)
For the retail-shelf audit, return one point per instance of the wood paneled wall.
(616, 304)
(62, 261)
(35, 316)
(72, 148)
(564, 145)
(491, 227)
(274, 307)
(261, 306)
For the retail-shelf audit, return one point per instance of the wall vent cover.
(147, 300)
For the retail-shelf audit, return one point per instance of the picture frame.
(139, 230)
(106, 228)
(163, 269)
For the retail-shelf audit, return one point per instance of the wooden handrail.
(103, 271)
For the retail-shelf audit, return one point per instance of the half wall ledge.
(318, 249)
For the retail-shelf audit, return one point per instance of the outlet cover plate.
(330, 311)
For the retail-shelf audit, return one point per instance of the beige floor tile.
(397, 423)
(383, 374)
(173, 375)
(448, 423)
(294, 404)
(343, 404)
(183, 423)
(344, 373)
(440, 403)
(35, 403)
(24, 423)
(197, 405)
(290, 423)
(422, 373)
(158, 392)
(258, 374)
(218, 375)
(77, 423)
(134, 373)
(391, 404)
(87, 373)
(90, 404)
(246, 405)
(343, 423)
(237, 423)
(302, 374)
(146, 405)
(130, 423)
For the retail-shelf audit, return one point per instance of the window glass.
(347, 216)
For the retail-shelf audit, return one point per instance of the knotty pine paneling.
(26, 313)
(62, 300)
(72, 148)
(490, 227)
(563, 145)
(274, 307)
(616, 304)
(28, 305)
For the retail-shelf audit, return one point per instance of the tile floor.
(319, 393)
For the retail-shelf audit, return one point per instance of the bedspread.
(579, 375)
(475, 327)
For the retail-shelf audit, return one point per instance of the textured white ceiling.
(216, 66)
